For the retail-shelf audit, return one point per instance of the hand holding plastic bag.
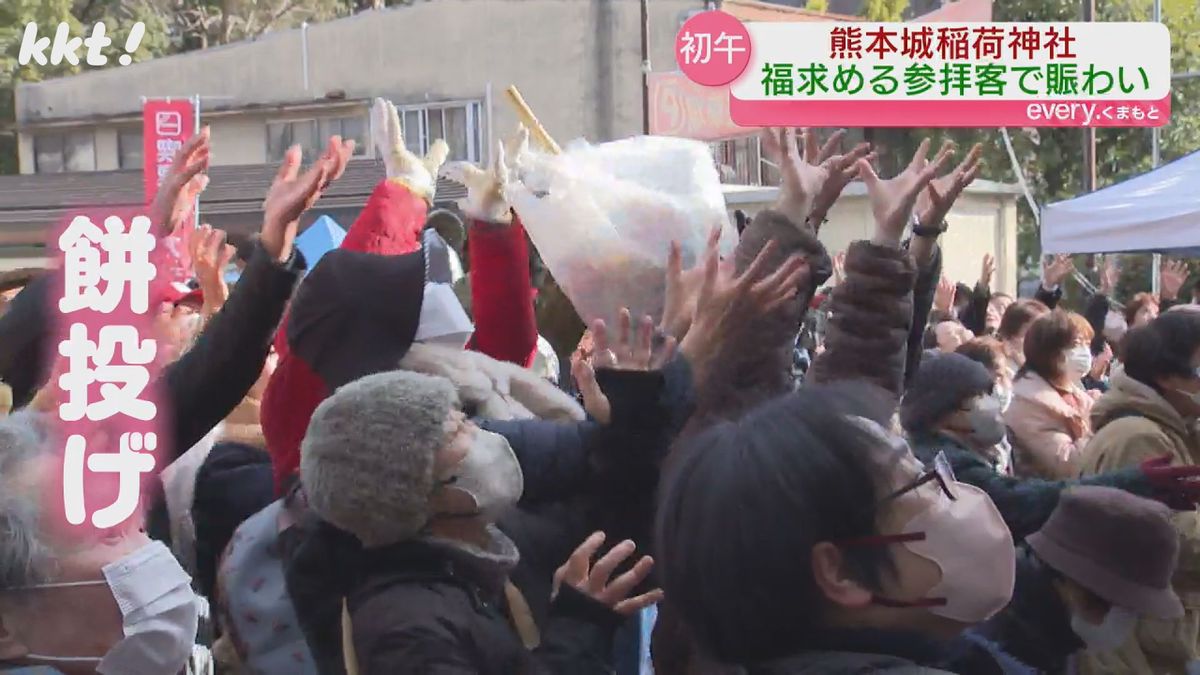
(486, 189)
(603, 218)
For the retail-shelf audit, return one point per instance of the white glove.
(418, 174)
(487, 190)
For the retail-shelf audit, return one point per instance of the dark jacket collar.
(857, 648)
(1036, 626)
(927, 445)
(427, 559)
(873, 650)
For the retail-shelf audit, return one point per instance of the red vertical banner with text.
(104, 386)
(166, 125)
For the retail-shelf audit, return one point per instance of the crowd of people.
(883, 473)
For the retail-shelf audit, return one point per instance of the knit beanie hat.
(941, 384)
(367, 460)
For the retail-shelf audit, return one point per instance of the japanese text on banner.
(943, 74)
(107, 364)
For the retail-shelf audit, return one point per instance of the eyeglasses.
(940, 472)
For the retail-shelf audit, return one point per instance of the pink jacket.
(1048, 428)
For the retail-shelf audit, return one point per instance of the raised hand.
(839, 268)
(1056, 270)
(988, 271)
(841, 170)
(934, 203)
(728, 302)
(486, 189)
(943, 297)
(292, 193)
(1171, 278)
(629, 352)
(183, 183)
(801, 181)
(417, 173)
(892, 200)
(210, 256)
(638, 353)
(596, 580)
(683, 287)
(1110, 274)
(595, 401)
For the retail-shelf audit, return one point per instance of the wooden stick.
(525, 114)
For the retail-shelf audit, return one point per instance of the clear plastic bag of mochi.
(602, 218)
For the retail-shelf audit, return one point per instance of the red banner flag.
(166, 124)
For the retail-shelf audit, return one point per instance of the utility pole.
(645, 67)
(1155, 160)
(1089, 133)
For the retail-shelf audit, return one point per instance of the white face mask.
(159, 614)
(1112, 633)
(1079, 361)
(1005, 395)
(490, 474)
(987, 427)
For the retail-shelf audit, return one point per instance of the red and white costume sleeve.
(502, 292)
(391, 224)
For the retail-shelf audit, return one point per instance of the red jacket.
(391, 224)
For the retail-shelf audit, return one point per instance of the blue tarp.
(322, 236)
(1157, 211)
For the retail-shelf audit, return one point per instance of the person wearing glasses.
(951, 408)
(805, 537)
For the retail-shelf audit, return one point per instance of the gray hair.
(25, 558)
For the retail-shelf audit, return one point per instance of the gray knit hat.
(367, 459)
(941, 384)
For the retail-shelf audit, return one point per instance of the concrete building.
(445, 64)
(577, 62)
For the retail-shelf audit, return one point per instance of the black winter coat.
(1035, 627)
(429, 609)
(855, 651)
(579, 478)
(207, 382)
(213, 377)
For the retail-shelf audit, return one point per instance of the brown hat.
(1119, 546)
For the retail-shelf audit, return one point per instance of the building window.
(460, 124)
(312, 135)
(349, 128)
(283, 135)
(738, 161)
(72, 151)
(129, 148)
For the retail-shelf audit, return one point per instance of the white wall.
(983, 220)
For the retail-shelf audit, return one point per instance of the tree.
(171, 26)
(207, 23)
(1051, 158)
(885, 10)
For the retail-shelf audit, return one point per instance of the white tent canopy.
(1156, 211)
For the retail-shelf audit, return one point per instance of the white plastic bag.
(602, 217)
